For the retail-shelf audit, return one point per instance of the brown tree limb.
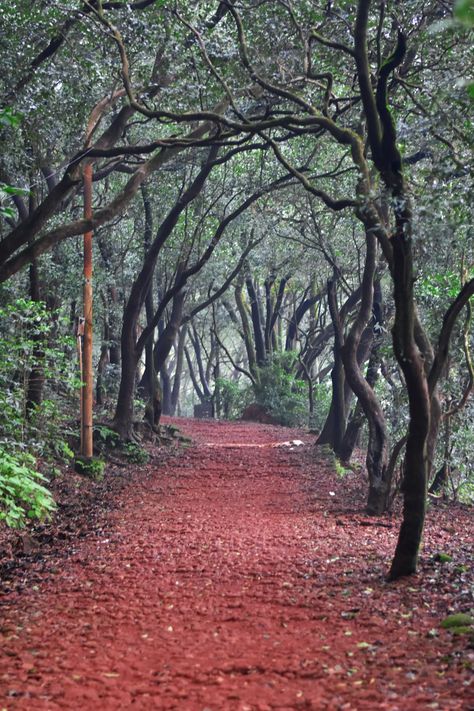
(444, 338)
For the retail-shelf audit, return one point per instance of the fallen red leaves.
(239, 578)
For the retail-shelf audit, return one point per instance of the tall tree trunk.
(377, 449)
(335, 425)
(179, 369)
(269, 307)
(148, 381)
(351, 435)
(165, 391)
(36, 379)
(306, 305)
(255, 312)
(207, 394)
(246, 331)
(192, 375)
(411, 362)
(104, 360)
(137, 298)
(123, 420)
(398, 249)
(162, 350)
(426, 349)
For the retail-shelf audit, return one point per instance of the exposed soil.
(236, 575)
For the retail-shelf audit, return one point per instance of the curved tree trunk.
(398, 250)
(162, 349)
(131, 346)
(377, 449)
(256, 315)
(411, 362)
(335, 425)
(351, 435)
(246, 331)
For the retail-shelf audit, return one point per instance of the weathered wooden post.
(87, 373)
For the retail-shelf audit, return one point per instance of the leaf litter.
(235, 577)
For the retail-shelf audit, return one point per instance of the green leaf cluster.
(31, 347)
(22, 496)
(278, 390)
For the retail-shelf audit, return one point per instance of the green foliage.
(443, 557)
(6, 192)
(22, 496)
(464, 12)
(459, 619)
(341, 470)
(439, 286)
(322, 403)
(92, 467)
(280, 393)
(135, 454)
(234, 397)
(10, 118)
(31, 348)
(106, 435)
(106, 438)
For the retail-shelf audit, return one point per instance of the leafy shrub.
(22, 496)
(105, 435)
(135, 454)
(32, 349)
(322, 402)
(106, 438)
(233, 398)
(281, 394)
(92, 467)
(460, 447)
(110, 383)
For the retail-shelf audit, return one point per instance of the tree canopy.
(281, 217)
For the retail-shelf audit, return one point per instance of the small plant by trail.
(37, 382)
(22, 495)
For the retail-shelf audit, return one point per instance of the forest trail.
(235, 576)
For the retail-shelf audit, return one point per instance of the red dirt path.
(239, 578)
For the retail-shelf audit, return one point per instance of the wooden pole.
(87, 374)
(79, 337)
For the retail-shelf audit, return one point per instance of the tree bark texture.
(377, 449)
(124, 411)
(335, 425)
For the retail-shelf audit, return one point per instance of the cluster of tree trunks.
(381, 205)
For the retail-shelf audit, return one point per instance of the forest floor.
(233, 575)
